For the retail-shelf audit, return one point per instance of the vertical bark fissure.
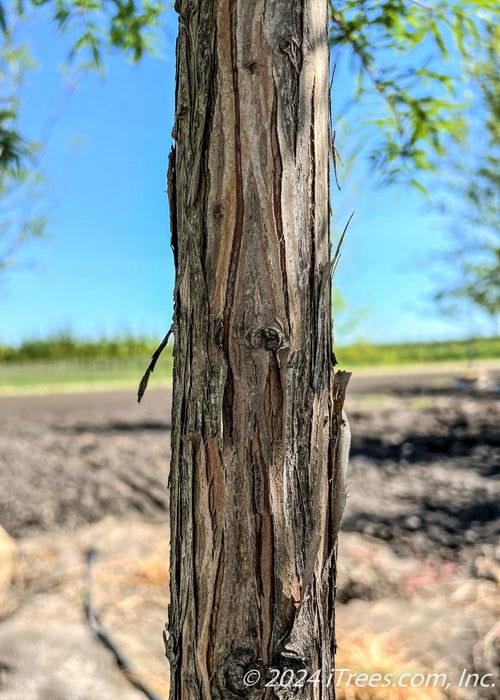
(238, 228)
(206, 143)
(278, 219)
(215, 607)
(312, 221)
(264, 544)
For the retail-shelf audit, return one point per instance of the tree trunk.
(255, 484)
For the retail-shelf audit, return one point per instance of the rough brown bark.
(256, 409)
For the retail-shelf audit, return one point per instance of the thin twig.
(144, 381)
(336, 257)
(333, 151)
(423, 5)
(333, 76)
(330, 267)
(335, 154)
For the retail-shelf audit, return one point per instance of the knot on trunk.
(272, 338)
(241, 675)
(263, 337)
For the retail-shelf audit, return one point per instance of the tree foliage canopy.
(412, 54)
(94, 26)
(475, 255)
(414, 60)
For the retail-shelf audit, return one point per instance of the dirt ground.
(424, 469)
(422, 521)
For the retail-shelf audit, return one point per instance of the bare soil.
(419, 562)
(424, 469)
(69, 460)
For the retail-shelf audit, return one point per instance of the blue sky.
(109, 268)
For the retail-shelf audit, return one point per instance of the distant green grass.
(63, 361)
(92, 371)
(367, 354)
(64, 346)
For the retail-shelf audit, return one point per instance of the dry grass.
(377, 654)
(159, 683)
(131, 594)
(8, 568)
(154, 570)
(125, 586)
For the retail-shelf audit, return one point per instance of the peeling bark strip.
(257, 418)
